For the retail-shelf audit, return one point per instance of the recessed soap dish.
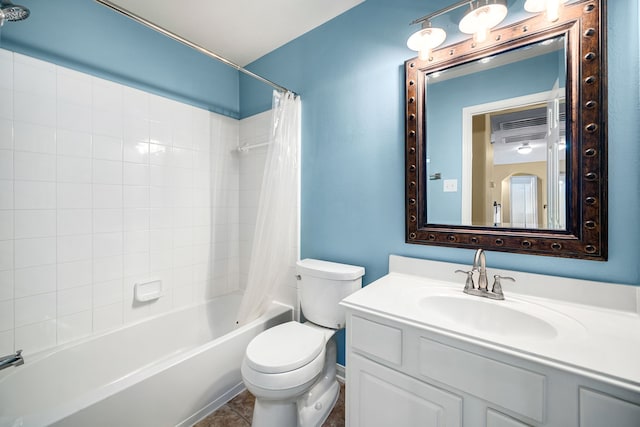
(147, 291)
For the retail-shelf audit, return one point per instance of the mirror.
(512, 125)
(506, 143)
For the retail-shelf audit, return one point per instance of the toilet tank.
(322, 285)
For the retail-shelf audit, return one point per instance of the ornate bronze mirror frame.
(584, 235)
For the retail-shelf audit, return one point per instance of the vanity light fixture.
(426, 39)
(480, 18)
(551, 7)
(525, 148)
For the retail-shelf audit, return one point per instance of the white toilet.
(291, 368)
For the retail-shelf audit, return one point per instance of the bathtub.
(169, 370)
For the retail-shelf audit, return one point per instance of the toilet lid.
(284, 348)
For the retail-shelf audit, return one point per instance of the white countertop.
(598, 324)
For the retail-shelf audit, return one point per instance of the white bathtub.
(166, 371)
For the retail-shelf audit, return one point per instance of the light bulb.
(425, 50)
(424, 53)
(482, 32)
(481, 35)
(553, 10)
(535, 6)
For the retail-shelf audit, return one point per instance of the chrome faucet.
(480, 265)
(482, 290)
(11, 360)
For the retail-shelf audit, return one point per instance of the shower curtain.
(273, 253)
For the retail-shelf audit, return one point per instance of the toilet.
(291, 368)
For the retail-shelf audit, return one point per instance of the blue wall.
(350, 75)
(88, 37)
(526, 77)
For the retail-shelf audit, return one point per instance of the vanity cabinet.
(401, 374)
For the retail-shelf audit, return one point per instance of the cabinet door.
(598, 409)
(382, 397)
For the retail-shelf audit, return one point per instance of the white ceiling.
(239, 30)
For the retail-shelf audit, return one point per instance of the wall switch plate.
(450, 185)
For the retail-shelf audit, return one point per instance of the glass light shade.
(425, 40)
(525, 149)
(482, 16)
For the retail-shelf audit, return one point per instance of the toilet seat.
(284, 348)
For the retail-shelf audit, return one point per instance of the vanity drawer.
(509, 387)
(375, 339)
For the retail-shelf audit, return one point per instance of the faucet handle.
(469, 282)
(497, 286)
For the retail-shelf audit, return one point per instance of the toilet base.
(314, 407)
(270, 413)
(309, 410)
(300, 413)
(316, 414)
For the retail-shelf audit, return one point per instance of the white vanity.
(556, 352)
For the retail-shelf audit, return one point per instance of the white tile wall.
(102, 185)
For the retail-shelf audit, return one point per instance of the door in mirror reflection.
(523, 201)
(519, 147)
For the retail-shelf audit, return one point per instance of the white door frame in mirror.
(467, 132)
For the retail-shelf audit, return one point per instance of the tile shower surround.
(103, 186)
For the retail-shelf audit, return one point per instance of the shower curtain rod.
(192, 45)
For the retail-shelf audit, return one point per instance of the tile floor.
(239, 412)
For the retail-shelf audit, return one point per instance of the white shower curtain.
(274, 243)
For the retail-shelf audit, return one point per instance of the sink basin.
(493, 317)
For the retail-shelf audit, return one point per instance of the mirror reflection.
(496, 140)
